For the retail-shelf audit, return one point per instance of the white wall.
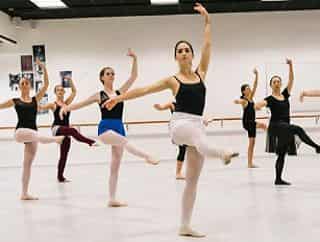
(240, 42)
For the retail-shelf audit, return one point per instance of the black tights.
(279, 166)
(182, 152)
(285, 134)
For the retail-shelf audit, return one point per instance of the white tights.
(31, 138)
(119, 143)
(188, 129)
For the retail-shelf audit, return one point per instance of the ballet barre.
(152, 122)
(295, 116)
(79, 125)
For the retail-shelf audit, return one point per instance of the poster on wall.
(14, 81)
(42, 102)
(26, 63)
(65, 78)
(39, 53)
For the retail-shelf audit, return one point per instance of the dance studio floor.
(234, 204)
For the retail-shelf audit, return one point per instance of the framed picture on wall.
(14, 81)
(26, 63)
(65, 78)
(39, 53)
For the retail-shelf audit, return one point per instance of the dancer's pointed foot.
(227, 158)
(95, 144)
(153, 161)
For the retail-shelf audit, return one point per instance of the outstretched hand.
(207, 121)
(131, 53)
(67, 77)
(157, 106)
(110, 103)
(200, 9)
(301, 97)
(39, 63)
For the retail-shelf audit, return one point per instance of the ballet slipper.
(282, 183)
(227, 158)
(95, 144)
(152, 161)
(187, 231)
(180, 177)
(63, 180)
(28, 197)
(117, 204)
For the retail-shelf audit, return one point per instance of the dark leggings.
(285, 133)
(65, 146)
(182, 152)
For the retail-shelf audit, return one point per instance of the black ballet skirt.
(292, 142)
(280, 134)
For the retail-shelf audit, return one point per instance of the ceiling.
(110, 8)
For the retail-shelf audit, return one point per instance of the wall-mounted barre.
(151, 122)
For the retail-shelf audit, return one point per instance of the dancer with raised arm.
(26, 128)
(63, 127)
(280, 132)
(249, 122)
(111, 129)
(186, 125)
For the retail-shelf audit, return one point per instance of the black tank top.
(115, 113)
(57, 120)
(191, 98)
(27, 113)
(249, 113)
